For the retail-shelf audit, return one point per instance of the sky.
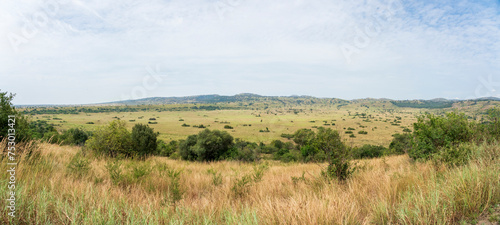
(79, 52)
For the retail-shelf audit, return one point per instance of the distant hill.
(211, 99)
(290, 100)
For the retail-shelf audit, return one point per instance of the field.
(247, 124)
(389, 190)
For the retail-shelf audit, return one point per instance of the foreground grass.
(390, 190)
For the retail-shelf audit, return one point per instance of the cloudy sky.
(75, 51)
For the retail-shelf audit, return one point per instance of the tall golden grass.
(391, 190)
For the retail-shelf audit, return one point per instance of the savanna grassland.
(380, 122)
(390, 190)
(69, 184)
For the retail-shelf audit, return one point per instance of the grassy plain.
(247, 124)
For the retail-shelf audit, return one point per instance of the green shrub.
(362, 132)
(206, 146)
(216, 177)
(174, 188)
(141, 171)
(337, 154)
(303, 137)
(454, 155)
(432, 133)
(78, 165)
(165, 149)
(111, 140)
(143, 140)
(289, 157)
(241, 185)
(74, 136)
(114, 170)
(259, 172)
(228, 127)
(400, 144)
(368, 151)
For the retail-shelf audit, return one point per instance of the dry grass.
(389, 190)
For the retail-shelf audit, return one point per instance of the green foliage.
(164, 149)
(241, 185)
(174, 188)
(303, 137)
(216, 177)
(362, 132)
(259, 171)
(78, 165)
(302, 178)
(458, 155)
(400, 144)
(111, 140)
(143, 140)
(23, 131)
(339, 166)
(206, 146)
(74, 136)
(432, 133)
(243, 151)
(140, 171)
(115, 172)
(368, 151)
(228, 127)
(287, 136)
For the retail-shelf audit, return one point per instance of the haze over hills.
(249, 97)
(273, 100)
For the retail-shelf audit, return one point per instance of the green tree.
(23, 132)
(337, 154)
(75, 136)
(144, 140)
(431, 133)
(303, 137)
(206, 146)
(400, 144)
(111, 140)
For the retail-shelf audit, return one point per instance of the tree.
(337, 153)
(111, 140)
(431, 133)
(206, 146)
(144, 140)
(303, 137)
(7, 109)
(401, 143)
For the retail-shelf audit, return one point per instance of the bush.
(337, 154)
(303, 137)
(23, 132)
(228, 127)
(74, 136)
(111, 140)
(362, 132)
(368, 151)
(401, 144)
(165, 149)
(454, 155)
(143, 140)
(243, 151)
(432, 133)
(78, 165)
(206, 146)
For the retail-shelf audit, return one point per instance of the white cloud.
(94, 51)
